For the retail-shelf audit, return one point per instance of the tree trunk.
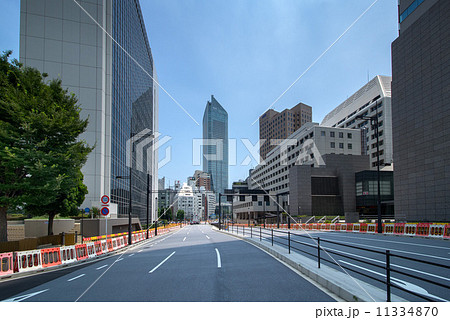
(51, 217)
(3, 225)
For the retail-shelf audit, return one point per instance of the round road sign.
(105, 211)
(105, 199)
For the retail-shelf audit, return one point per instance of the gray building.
(73, 41)
(327, 190)
(215, 145)
(421, 112)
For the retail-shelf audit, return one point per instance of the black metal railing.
(382, 261)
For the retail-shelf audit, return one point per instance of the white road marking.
(342, 235)
(393, 265)
(131, 255)
(219, 262)
(81, 275)
(407, 285)
(184, 238)
(383, 248)
(101, 267)
(151, 271)
(119, 259)
(25, 296)
(208, 237)
(141, 250)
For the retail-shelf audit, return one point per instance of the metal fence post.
(251, 233)
(289, 241)
(272, 237)
(260, 238)
(243, 230)
(318, 252)
(388, 276)
(76, 236)
(63, 239)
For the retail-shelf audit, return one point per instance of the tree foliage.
(40, 156)
(180, 215)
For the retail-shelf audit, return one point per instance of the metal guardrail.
(292, 241)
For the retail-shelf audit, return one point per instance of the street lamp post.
(374, 119)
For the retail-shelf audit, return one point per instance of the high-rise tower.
(215, 144)
(100, 51)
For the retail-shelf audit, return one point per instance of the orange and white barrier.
(50, 257)
(423, 229)
(90, 246)
(356, 227)
(399, 228)
(371, 227)
(6, 263)
(388, 228)
(81, 251)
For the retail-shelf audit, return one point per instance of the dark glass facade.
(215, 126)
(132, 106)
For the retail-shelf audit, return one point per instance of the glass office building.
(215, 145)
(100, 51)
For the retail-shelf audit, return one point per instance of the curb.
(335, 281)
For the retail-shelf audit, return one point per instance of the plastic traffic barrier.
(90, 246)
(50, 257)
(28, 260)
(81, 251)
(356, 227)
(388, 228)
(68, 254)
(399, 229)
(423, 229)
(437, 230)
(6, 263)
(410, 229)
(371, 227)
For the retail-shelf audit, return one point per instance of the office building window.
(350, 146)
(322, 133)
(349, 135)
(332, 134)
(341, 135)
(341, 145)
(332, 145)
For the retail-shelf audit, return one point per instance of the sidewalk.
(338, 282)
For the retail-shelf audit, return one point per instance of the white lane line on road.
(81, 275)
(101, 267)
(151, 271)
(25, 296)
(141, 250)
(208, 237)
(119, 259)
(342, 235)
(407, 285)
(184, 239)
(219, 262)
(330, 250)
(130, 255)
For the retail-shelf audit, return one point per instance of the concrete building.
(421, 112)
(280, 125)
(215, 145)
(327, 190)
(306, 146)
(186, 200)
(372, 99)
(114, 92)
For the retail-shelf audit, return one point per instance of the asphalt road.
(194, 263)
(360, 246)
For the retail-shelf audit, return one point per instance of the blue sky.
(246, 53)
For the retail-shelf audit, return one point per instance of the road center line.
(151, 271)
(81, 275)
(101, 267)
(219, 262)
(208, 238)
(184, 239)
(131, 255)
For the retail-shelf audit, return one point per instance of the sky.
(247, 53)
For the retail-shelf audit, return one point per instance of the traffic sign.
(87, 210)
(105, 211)
(104, 199)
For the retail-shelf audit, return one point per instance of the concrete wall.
(39, 228)
(96, 227)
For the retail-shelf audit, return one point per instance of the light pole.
(374, 119)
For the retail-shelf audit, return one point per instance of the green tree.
(180, 215)
(40, 156)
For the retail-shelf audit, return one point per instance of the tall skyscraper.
(421, 112)
(79, 44)
(280, 125)
(215, 148)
